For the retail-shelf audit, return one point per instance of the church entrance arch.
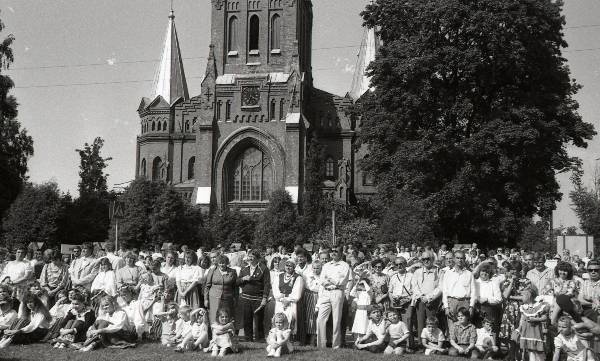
(250, 164)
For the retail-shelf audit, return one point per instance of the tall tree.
(587, 204)
(472, 111)
(231, 226)
(34, 215)
(138, 200)
(173, 220)
(313, 211)
(92, 179)
(15, 145)
(278, 224)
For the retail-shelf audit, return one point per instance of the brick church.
(246, 134)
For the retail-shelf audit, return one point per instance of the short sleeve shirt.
(463, 335)
(397, 330)
(434, 337)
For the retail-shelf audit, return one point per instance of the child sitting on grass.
(374, 338)
(197, 337)
(168, 321)
(223, 329)
(433, 338)
(569, 342)
(485, 346)
(463, 334)
(278, 341)
(398, 334)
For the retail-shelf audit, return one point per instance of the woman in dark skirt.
(220, 287)
(311, 294)
(35, 312)
(270, 307)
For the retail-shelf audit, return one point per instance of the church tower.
(251, 127)
(161, 145)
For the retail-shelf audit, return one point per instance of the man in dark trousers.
(255, 283)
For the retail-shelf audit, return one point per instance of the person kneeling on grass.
(374, 339)
(278, 341)
(433, 338)
(398, 334)
(31, 309)
(111, 329)
(463, 335)
(485, 346)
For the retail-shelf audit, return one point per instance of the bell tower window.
(232, 36)
(253, 35)
(276, 34)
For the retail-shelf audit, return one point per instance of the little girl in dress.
(278, 341)
(362, 295)
(223, 330)
(198, 335)
(533, 315)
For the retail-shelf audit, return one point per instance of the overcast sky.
(82, 66)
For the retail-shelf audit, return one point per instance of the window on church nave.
(251, 177)
(143, 168)
(253, 34)
(330, 168)
(191, 164)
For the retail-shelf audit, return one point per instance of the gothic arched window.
(272, 110)
(191, 164)
(143, 168)
(164, 126)
(251, 176)
(275, 32)
(153, 126)
(253, 33)
(187, 126)
(330, 168)
(232, 34)
(156, 166)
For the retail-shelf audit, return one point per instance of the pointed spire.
(169, 80)
(368, 49)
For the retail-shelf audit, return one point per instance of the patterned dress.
(532, 337)
(511, 318)
(379, 287)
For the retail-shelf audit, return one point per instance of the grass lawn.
(250, 351)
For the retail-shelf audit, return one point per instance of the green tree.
(587, 205)
(278, 224)
(92, 179)
(231, 226)
(472, 111)
(34, 215)
(313, 211)
(138, 203)
(535, 238)
(406, 220)
(16, 147)
(175, 220)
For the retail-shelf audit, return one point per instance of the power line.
(141, 61)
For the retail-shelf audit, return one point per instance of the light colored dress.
(361, 317)
(289, 288)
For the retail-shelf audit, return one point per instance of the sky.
(81, 68)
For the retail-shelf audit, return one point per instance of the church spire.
(169, 80)
(368, 48)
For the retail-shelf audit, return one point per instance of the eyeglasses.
(590, 270)
(400, 264)
(425, 259)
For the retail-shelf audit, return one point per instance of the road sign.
(118, 210)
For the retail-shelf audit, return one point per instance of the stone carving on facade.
(218, 4)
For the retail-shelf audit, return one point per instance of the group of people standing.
(391, 298)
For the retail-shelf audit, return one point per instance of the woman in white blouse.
(105, 282)
(112, 327)
(33, 310)
(189, 277)
(489, 297)
(287, 290)
(170, 268)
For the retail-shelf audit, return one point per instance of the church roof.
(368, 48)
(169, 80)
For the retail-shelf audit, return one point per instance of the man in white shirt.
(84, 269)
(458, 288)
(115, 261)
(336, 277)
(426, 292)
(18, 272)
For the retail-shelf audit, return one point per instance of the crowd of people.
(466, 302)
